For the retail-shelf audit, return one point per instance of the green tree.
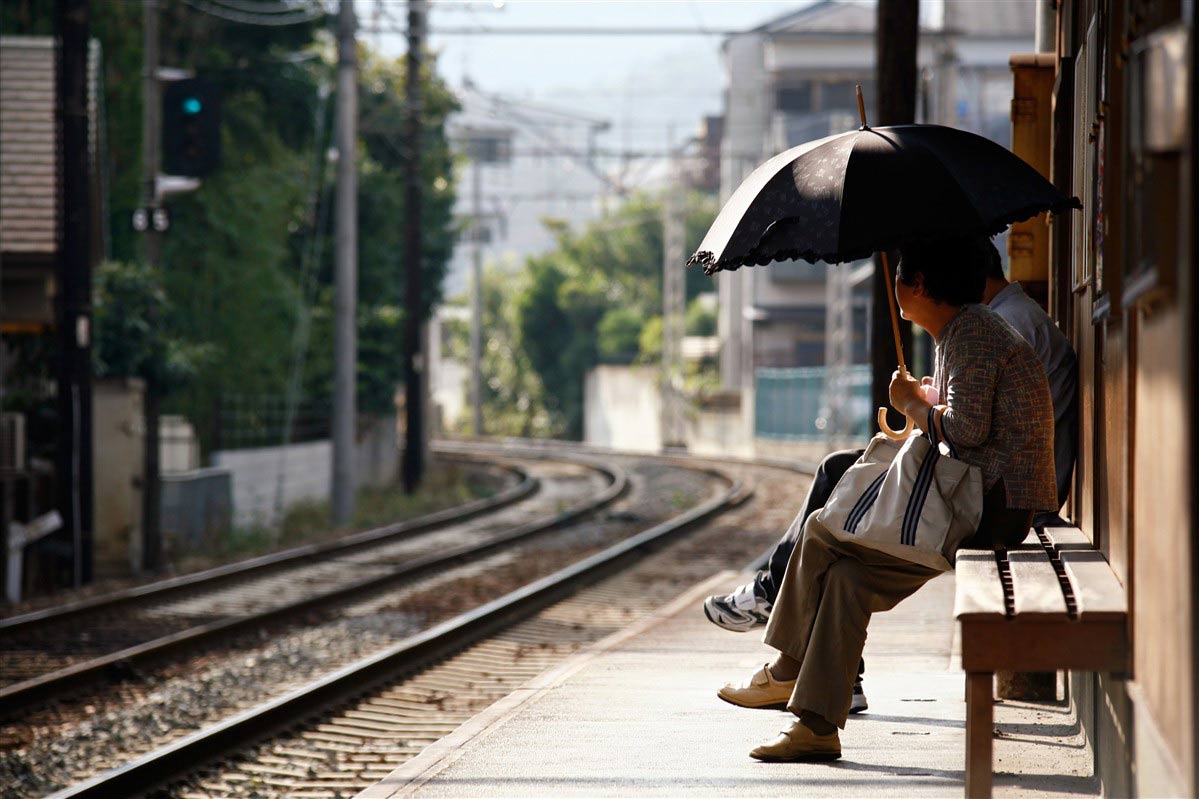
(593, 295)
(618, 333)
(700, 320)
(127, 341)
(248, 263)
(512, 395)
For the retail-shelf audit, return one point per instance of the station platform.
(637, 715)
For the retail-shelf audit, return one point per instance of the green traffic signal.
(191, 127)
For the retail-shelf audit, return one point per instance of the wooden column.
(1032, 129)
(979, 731)
(897, 37)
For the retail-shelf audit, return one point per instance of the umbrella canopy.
(848, 196)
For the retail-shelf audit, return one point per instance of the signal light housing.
(191, 128)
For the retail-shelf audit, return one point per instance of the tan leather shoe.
(800, 743)
(760, 690)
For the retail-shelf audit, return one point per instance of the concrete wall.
(266, 479)
(179, 448)
(622, 408)
(117, 442)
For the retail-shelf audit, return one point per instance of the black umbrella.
(848, 196)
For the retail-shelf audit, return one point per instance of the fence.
(793, 404)
(262, 421)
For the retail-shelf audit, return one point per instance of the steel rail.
(526, 487)
(512, 444)
(412, 653)
(26, 692)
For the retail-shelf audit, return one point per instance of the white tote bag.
(911, 499)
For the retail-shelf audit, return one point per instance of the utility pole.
(897, 34)
(673, 306)
(414, 367)
(476, 290)
(345, 305)
(152, 253)
(74, 390)
(838, 347)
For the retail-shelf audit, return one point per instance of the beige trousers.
(824, 604)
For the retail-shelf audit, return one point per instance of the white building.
(792, 80)
(535, 163)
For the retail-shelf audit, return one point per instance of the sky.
(654, 89)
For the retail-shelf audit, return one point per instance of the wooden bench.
(1047, 606)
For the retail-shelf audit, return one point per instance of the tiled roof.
(28, 146)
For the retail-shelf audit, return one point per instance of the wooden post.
(979, 730)
(1032, 119)
(897, 35)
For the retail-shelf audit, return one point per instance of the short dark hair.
(953, 268)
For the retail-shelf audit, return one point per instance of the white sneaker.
(858, 703)
(740, 611)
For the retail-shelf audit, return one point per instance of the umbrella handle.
(896, 435)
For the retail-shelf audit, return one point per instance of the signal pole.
(898, 33)
(152, 252)
(345, 305)
(674, 303)
(74, 389)
(414, 438)
(476, 293)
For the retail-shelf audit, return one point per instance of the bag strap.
(935, 439)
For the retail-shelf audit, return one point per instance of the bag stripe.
(864, 503)
(857, 506)
(924, 480)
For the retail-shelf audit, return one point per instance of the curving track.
(422, 687)
(45, 653)
(417, 651)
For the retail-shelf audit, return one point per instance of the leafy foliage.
(512, 395)
(592, 297)
(129, 305)
(247, 268)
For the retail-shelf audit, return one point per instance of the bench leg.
(979, 731)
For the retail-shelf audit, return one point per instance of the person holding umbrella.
(990, 400)
(930, 192)
(748, 606)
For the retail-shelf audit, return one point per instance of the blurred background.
(182, 383)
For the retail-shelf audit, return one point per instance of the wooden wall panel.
(1032, 118)
(1082, 506)
(1111, 454)
(1162, 609)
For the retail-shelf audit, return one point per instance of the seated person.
(995, 409)
(748, 606)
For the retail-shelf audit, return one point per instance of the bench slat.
(1038, 592)
(978, 592)
(1064, 538)
(1097, 592)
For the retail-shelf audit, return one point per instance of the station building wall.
(1121, 278)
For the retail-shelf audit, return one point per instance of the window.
(794, 99)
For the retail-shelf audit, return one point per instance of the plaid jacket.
(1000, 414)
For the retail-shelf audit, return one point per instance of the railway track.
(469, 643)
(46, 653)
